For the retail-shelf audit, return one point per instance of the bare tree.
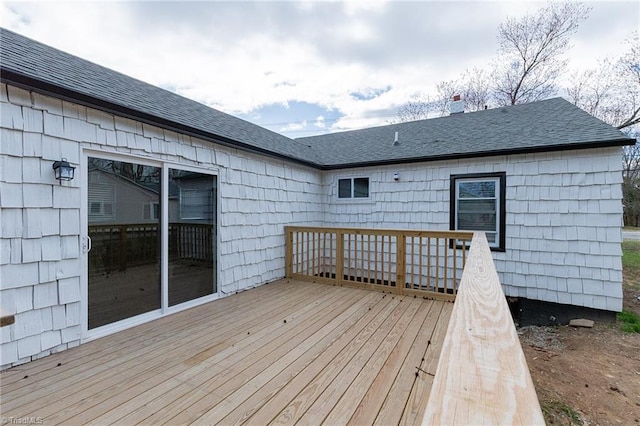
(473, 88)
(629, 69)
(529, 61)
(631, 183)
(476, 89)
(611, 91)
(417, 109)
(446, 90)
(592, 89)
(531, 52)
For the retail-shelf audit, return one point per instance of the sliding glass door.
(124, 227)
(192, 235)
(126, 204)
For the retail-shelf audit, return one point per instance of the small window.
(344, 188)
(95, 207)
(478, 204)
(353, 188)
(102, 197)
(196, 204)
(151, 211)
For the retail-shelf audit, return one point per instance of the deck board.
(281, 353)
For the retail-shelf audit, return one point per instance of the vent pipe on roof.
(457, 106)
(395, 140)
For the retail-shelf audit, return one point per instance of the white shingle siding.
(45, 295)
(563, 214)
(562, 241)
(41, 218)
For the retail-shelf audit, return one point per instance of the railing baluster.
(412, 263)
(381, 259)
(362, 257)
(420, 274)
(306, 268)
(339, 256)
(316, 239)
(445, 247)
(375, 260)
(455, 267)
(437, 263)
(321, 253)
(429, 263)
(401, 260)
(355, 257)
(297, 260)
(370, 271)
(331, 258)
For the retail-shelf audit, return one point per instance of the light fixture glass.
(63, 170)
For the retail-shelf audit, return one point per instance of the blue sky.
(305, 67)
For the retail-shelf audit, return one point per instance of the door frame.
(165, 309)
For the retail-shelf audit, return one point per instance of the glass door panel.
(124, 227)
(192, 235)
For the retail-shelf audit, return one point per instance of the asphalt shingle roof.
(541, 126)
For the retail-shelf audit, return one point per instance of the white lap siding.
(563, 218)
(40, 264)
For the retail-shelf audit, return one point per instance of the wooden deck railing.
(482, 375)
(427, 263)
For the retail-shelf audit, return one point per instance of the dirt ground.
(586, 376)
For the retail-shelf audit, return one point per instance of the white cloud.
(239, 57)
(320, 122)
(293, 127)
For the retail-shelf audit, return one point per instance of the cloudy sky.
(306, 67)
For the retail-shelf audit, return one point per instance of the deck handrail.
(401, 261)
(482, 375)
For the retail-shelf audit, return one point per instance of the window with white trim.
(353, 188)
(151, 211)
(101, 200)
(196, 204)
(478, 204)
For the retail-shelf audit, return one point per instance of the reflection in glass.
(124, 227)
(478, 207)
(361, 187)
(344, 188)
(478, 189)
(192, 235)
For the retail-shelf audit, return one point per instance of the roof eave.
(49, 89)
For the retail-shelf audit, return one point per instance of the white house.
(83, 258)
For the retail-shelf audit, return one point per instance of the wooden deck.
(287, 352)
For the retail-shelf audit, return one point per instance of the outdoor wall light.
(63, 170)
(396, 176)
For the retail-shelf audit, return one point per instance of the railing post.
(288, 252)
(401, 261)
(339, 256)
